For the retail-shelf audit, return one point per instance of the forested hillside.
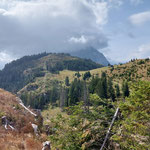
(18, 73)
(47, 89)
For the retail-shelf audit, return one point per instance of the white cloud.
(143, 51)
(116, 3)
(144, 48)
(29, 26)
(4, 58)
(2, 11)
(140, 18)
(100, 10)
(81, 39)
(136, 2)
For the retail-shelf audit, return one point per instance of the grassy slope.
(129, 71)
(50, 113)
(44, 83)
(22, 137)
(118, 74)
(141, 72)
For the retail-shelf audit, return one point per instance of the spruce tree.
(62, 97)
(75, 91)
(111, 91)
(104, 84)
(101, 87)
(86, 75)
(125, 89)
(67, 81)
(117, 91)
(93, 84)
(77, 74)
(85, 97)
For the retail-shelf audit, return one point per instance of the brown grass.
(19, 142)
(23, 137)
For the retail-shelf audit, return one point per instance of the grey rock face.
(91, 53)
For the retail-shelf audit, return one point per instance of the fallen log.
(108, 132)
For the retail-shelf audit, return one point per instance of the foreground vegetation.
(133, 128)
(79, 104)
(85, 128)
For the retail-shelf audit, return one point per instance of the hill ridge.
(18, 73)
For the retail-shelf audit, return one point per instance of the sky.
(117, 28)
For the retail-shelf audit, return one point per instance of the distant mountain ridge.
(91, 53)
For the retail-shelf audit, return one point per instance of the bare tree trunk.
(62, 97)
(108, 132)
(85, 97)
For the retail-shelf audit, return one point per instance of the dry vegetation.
(14, 112)
(22, 138)
(15, 141)
(132, 71)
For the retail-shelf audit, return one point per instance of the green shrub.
(141, 62)
(133, 130)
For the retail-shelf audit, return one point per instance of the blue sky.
(125, 38)
(118, 28)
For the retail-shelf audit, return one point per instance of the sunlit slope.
(131, 71)
(19, 73)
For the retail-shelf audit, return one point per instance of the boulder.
(46, 145)
(35, 128)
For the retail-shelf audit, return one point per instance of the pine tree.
(111, 91)
(125, 89)
(77, 74)
(117, 91)
(85, 97)
(62, 97)
(75, 91)
(54, 94)
(86, 75)
(101, 88)
(67, 81)
(67, 97)
(93, 84)
(104, 84)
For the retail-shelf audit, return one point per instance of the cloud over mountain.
(33, 26)
(30, 26)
